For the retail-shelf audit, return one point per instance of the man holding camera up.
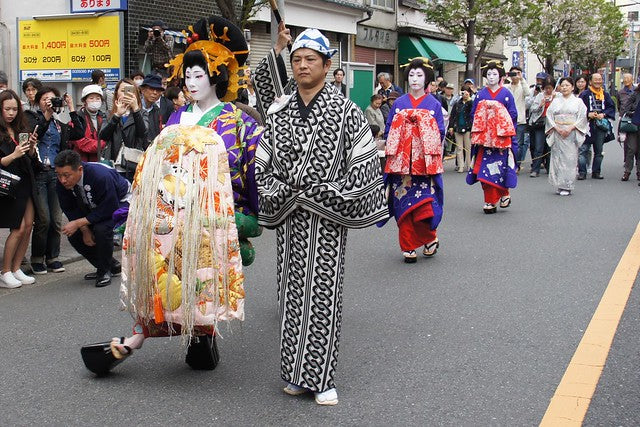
(159, 46)
(53, 136)
(520, 90)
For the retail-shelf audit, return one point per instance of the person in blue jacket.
(89, 194)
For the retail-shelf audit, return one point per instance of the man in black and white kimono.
(318, 174)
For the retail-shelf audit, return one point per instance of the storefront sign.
(83, 6)
(69, 49)
(376, 38)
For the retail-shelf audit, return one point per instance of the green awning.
(410, 47)
(436, 50)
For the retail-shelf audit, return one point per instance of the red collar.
(492, 93)
(416, 101)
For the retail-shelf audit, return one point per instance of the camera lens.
(156, 33)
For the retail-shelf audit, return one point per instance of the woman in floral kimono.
(566, 129)
(414, 132)
(194, 204)
(493, 142)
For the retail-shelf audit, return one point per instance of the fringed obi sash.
(492, 125)
(414, 146)
(181, 261)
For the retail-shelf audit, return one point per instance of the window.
(385, 4)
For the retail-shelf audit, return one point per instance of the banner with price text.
(66, 50)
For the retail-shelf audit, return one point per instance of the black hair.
(443, 84)
(44, 90)
(68, 158)
(221, 80)
(493, 65)
(336, 71)
(172, 93)
(31, 81)
(375, 130)
(96, 75)
(566, 79)
(515, 67)
(591, 76)
(549, 81)
(137, 74)
(419, 63)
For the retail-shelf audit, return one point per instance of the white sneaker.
(23, 278)
(8, 281)
(327, 398)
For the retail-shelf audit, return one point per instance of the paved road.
(479, 335)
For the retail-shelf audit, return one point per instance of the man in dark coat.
(600, 109)
(89, 194)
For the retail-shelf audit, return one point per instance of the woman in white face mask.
(84, 139)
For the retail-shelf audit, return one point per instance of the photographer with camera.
(53, 136)
(159, 46)
(520, 90)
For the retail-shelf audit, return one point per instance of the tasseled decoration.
(200, 229)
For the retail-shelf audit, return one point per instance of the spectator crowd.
(113, 128)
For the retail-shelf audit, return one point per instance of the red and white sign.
(80, 6)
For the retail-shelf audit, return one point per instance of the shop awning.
(436, 50)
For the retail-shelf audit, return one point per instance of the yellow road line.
(571, 400)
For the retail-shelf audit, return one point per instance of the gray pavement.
(479, 335)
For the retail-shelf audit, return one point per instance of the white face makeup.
(416, 79)
(197, 81)
(493, 77)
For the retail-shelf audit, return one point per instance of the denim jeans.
(45, 241)
(597, 140)
(523, 142)
(538, 143)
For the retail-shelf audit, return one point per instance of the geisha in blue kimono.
(413, 171)
(494, 145)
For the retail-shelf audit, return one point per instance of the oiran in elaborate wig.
(219, 47)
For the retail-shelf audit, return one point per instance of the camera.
(156, 33)
(512, 73)
(539, 88)
(57, 102)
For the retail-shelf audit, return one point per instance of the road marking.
(572, 398)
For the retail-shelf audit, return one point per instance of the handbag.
(603, 124)
(8, 183)
(539, 123)
(626, 125)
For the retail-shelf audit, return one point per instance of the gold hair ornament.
(425, 61)
(215, 54)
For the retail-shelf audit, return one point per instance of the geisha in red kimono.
(413, 172)
(493, 140)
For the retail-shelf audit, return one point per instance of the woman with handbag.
(87, 124)
(566, 129)
(537, 127)
(125, 130)
(17, 157)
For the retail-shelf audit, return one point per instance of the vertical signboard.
(67, 50)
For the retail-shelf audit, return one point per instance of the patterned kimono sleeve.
(357, 199)
(250, 134)
(269, 81)
(276, 199)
